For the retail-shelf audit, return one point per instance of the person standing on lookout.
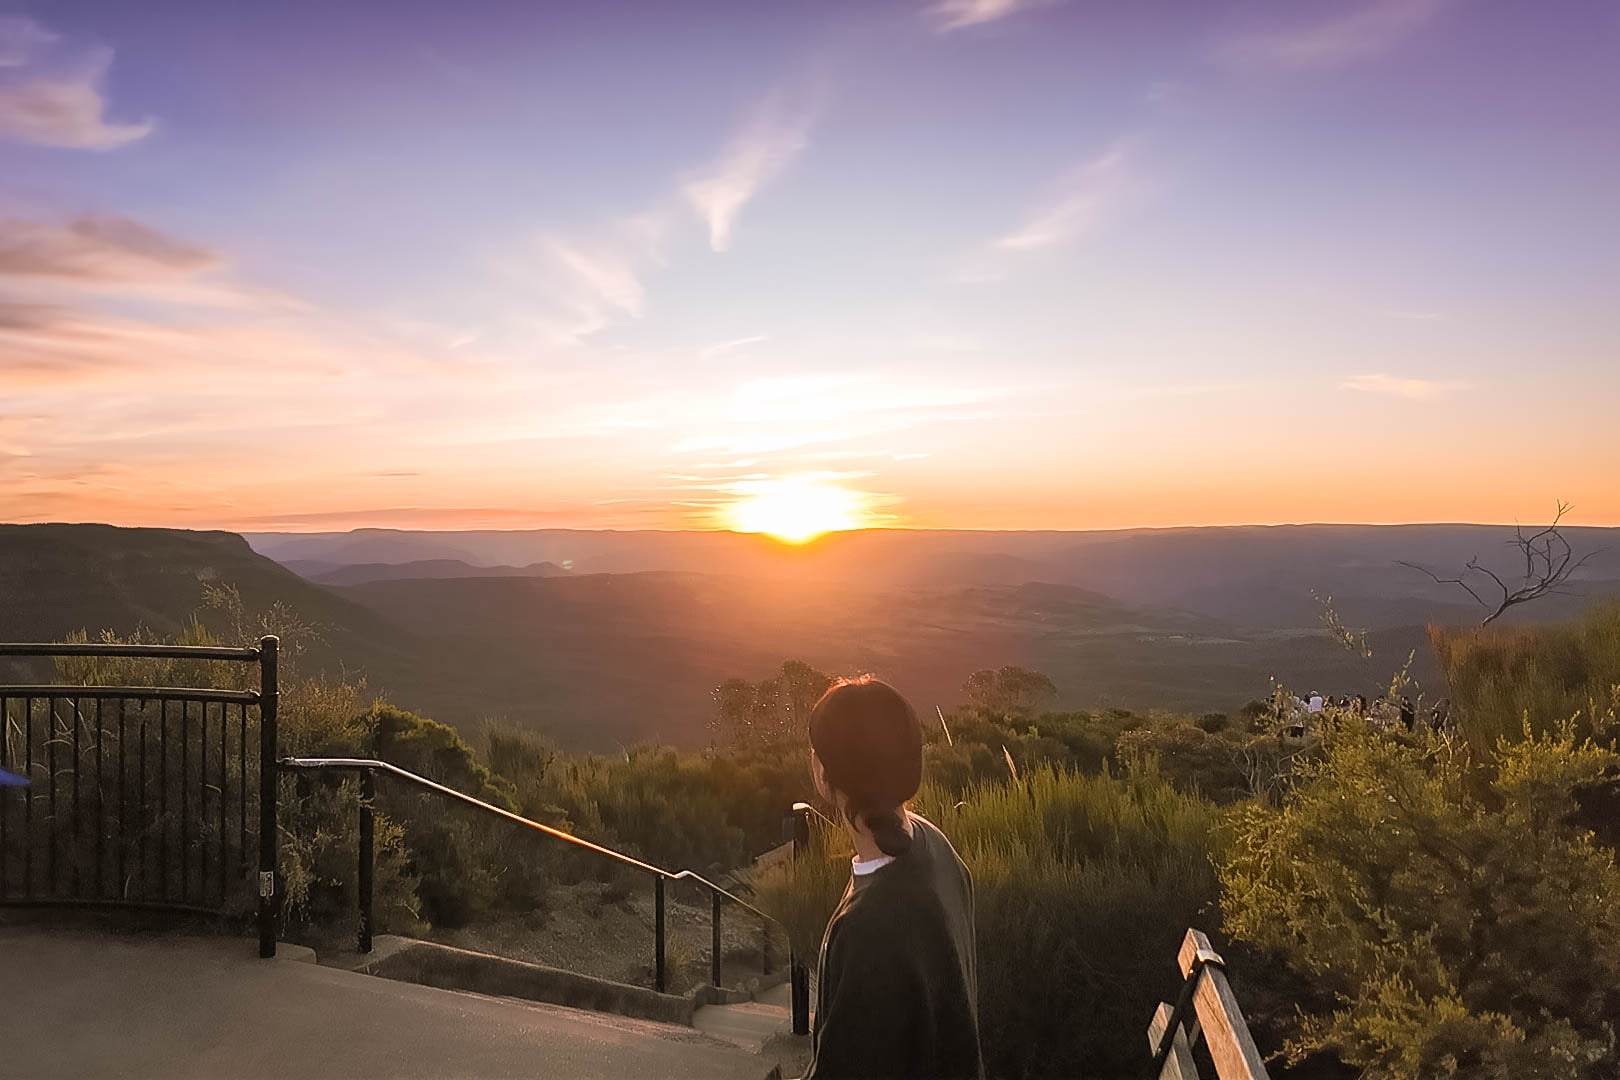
(897, 992)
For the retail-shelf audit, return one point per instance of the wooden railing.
(1205, 1007)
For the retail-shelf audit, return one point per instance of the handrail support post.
(796, 825)
(367, 861)
(658, 933)
(269, 848)
(714, 939)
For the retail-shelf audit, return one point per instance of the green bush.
(1499, 677)
(1449, 914)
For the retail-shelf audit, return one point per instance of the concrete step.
(752, 1025)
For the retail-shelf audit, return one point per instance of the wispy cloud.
(63, 106)
(112, 255)
(720, 348)
(1398, 387)
(1363, 31)
(20, 36)
(774, 135)
(955, 14)
(96, 248)
(1079, 203)
(607, 275)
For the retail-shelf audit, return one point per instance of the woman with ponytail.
(897, 993)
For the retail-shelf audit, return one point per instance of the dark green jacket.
(898, 993)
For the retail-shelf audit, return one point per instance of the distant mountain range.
(327, 573)
(601, 639)
(1261, 577)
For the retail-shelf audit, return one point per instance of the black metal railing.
(368, 769)
(140, 796)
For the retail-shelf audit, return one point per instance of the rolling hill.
(1260, 577)
(599, 659)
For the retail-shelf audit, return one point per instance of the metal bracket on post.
(269, 848)
(796, 829)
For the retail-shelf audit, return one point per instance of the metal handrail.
(375, 765)
(130, 693)
(82, 648)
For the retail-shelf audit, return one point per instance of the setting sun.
(795, 509)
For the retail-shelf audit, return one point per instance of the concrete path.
(84, 1004)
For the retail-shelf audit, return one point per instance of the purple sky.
(978, 263)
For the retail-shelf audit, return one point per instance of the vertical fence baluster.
(5, 798)
(78, 855)
(28, 797)
(50, 769)
(101, 805)
(163, 799)
(122, 885)
(224, 786)
(242, 790)
(141, 844)
(185, 802)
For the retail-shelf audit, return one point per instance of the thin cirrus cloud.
(1365, 30)
(96, 248)
(1395, 386)
(1079, 203)
(774, 136)
(106, 254)
(948, 15)
(54, 102)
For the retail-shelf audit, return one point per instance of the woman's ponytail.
(888, 829)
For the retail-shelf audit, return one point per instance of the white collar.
(870, 866)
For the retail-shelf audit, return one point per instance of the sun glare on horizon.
(795, 509)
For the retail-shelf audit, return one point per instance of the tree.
(1008, 691)
(1549, 562)
(772, 710)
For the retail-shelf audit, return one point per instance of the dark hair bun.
(889, 830)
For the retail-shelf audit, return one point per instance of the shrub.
(1499, 677)
(1454, 919)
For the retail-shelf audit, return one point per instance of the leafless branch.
(1549, 562)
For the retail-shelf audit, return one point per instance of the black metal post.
(658, 933)
(367, 826)
(268, 846)
(78, 850)
(714, 939)
(28, 797)
(185, 803)
(796, 826)
(163, 799)
(101, 803)
(50, 767)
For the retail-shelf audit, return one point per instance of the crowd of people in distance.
(1386, 712)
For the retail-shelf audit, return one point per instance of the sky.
(975, 264)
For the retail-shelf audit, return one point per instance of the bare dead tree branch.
(1549, 563)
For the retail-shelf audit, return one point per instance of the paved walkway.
(82, 1004)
